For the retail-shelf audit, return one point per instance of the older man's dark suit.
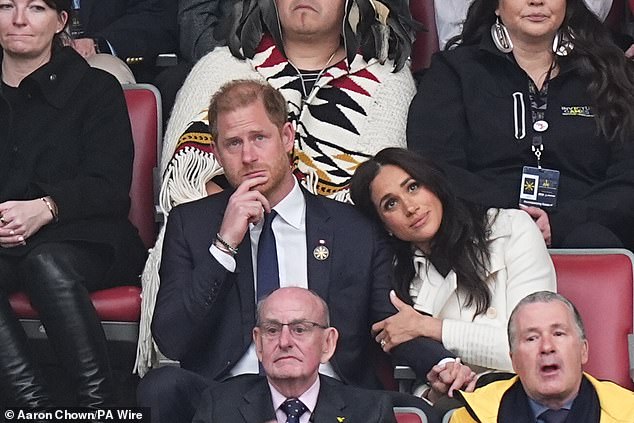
(247, 399)
(204, 314)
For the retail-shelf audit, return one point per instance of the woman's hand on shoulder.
(404, 326)
(21, 220)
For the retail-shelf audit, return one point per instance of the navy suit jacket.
(247, 399)
(205, 314)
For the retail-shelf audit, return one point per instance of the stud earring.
(563, 43)
(501, 37)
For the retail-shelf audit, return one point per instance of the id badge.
(539, 187)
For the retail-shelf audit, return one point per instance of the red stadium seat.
(426, 42)
(409, 415)
(119, 308)
(601, 285)
(600, 282)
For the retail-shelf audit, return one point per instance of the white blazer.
(520, 265)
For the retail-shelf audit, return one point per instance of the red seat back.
(144, 108)
(409, 415)
(600, 284)
(426, 42)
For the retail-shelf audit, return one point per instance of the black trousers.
(592, 235)
(172, 393)
(57, 278)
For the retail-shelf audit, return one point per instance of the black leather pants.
(55, 277)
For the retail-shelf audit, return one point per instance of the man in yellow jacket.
(548, 349)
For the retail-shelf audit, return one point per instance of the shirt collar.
(309, 397)
(292, 207)
(539, 408)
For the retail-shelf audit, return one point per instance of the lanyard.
(539, 105)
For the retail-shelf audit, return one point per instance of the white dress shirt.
(289, 228)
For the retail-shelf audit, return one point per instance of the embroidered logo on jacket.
(582, 111)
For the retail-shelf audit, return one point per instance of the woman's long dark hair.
(461, 242)
(595, 55)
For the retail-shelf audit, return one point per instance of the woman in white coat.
(459, 269)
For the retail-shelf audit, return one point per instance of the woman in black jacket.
(530, 84)
(65, 168)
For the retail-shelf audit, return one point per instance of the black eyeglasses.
(301, 328)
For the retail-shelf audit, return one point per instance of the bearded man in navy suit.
(206, 306)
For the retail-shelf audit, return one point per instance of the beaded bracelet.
(232, 250)
(50, 208)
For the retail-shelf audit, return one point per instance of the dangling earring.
(563, 42)
(501, 37)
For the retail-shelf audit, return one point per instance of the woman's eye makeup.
(389, 203)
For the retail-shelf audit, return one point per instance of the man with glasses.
(292, 337)
(225, 252)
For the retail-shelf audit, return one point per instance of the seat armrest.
(630, 346)
(405, 377)
(165, 60)
(404, 373)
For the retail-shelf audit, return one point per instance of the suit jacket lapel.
(329, 405)
(259, 405)
(319, 245)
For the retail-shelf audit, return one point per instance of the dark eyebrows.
(406, 181)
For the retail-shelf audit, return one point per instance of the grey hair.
(325, 316)
(544, 297)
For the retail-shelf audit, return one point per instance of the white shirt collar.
(291, 209)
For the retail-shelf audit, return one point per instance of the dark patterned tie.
(554, 416)
(268, 271)
(293, 408)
